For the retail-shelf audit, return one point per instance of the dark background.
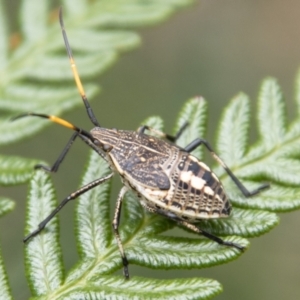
(214, 49)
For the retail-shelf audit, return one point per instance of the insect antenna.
(75, 73)
(59, 121)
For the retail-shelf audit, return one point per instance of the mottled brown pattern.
(166, 179)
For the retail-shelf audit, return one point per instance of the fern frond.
(36, 76)
(141, 232)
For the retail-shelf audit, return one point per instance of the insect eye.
(107, 148)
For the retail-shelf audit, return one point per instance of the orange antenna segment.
(77, 79)
(59, 121)
(75, 73)
(62, 122)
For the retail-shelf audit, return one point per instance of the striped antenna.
(75, 73)
(59, 121)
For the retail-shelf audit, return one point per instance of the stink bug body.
(166, 178)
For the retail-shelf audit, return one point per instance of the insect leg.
(197, 142)
(161, 134)
(61, 157)
(178, 133)
(210, 236)
(72, 196)
(115, 224)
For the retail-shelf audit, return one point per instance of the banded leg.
(61, 157)
(196, 229)
(210, 236)
(161, 134)
(115, 224)
(72, 196)
(197, 142)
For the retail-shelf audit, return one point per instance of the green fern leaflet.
(24, 87)
(93, 276)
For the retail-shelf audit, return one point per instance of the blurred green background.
(214, 49)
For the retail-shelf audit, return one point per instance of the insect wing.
(144, 165)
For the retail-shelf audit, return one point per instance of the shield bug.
(166, 178)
